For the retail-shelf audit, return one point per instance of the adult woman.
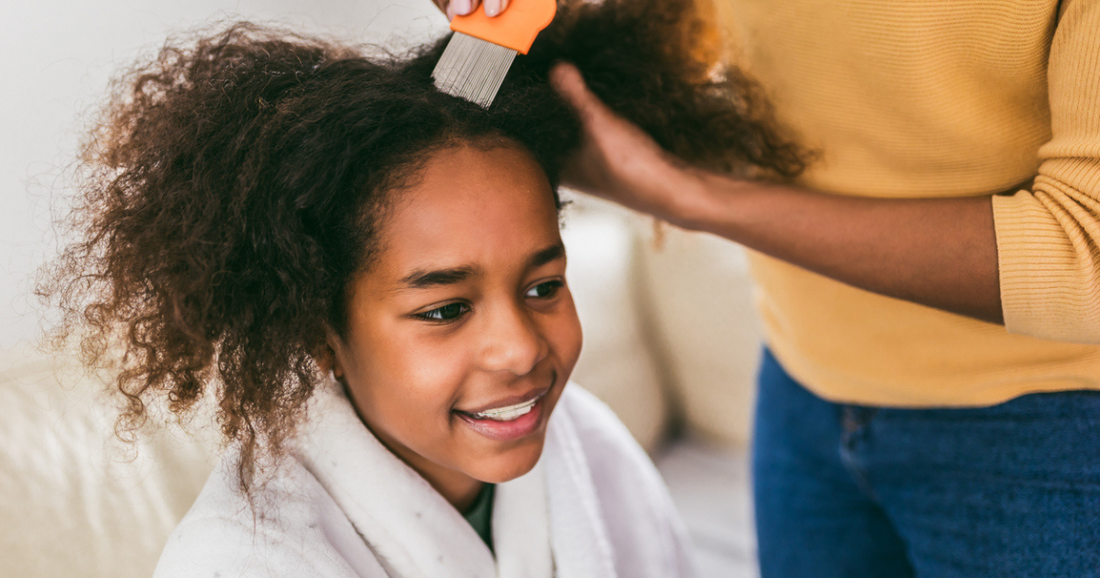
(941, 254)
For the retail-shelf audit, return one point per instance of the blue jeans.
(1003, 491)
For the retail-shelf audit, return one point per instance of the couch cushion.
(700, 297)
(76, 501)
(617, 362)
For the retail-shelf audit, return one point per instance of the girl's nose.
(513, 341)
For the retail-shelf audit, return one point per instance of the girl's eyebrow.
(546, 255)
(421, 279)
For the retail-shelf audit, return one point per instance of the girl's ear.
(326, 357)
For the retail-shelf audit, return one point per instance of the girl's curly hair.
(236, 182)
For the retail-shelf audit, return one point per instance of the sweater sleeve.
(1048, 238)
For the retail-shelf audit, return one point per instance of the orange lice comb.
(478, 56)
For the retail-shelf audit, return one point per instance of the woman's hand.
(454, 8)
(620, 162)
(939, 252)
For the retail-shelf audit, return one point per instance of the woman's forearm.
(936, 252)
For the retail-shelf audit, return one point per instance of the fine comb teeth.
(473, 69)
(478, 56)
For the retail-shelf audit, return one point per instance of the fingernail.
(493, 7)
(462, 7)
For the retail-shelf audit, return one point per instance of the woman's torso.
(905, 99)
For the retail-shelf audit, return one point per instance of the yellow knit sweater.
(940, 98)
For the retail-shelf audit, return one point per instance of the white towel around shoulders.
(341, 505)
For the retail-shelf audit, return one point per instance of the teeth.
(508, 413)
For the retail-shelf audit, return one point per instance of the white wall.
(56, 58)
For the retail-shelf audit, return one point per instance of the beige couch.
(670, 338)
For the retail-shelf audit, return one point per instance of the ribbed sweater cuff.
(1043, 291)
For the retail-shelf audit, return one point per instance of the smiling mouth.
(507, 413)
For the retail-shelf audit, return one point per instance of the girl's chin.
(509, 465)
(516, 445)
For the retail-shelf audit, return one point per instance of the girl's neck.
(461, 493)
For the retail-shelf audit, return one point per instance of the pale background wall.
(56, 58)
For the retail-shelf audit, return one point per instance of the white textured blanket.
(342, 505)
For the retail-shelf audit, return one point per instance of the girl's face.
(462, 333)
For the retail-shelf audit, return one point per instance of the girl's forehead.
(469, 205)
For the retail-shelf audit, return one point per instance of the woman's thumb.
(569, 83)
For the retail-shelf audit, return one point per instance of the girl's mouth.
(506, 423)
(507, 413)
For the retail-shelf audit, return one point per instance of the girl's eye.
(448, 312)
(544, 290)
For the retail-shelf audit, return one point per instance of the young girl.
(366, 275)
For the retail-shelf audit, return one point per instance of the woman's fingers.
(494, 7)
(461, 7)
(616, 159)
(601, 124)
(454, 8)
(567, 80)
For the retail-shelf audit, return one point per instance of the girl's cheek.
(569, 337)
(439, 366)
